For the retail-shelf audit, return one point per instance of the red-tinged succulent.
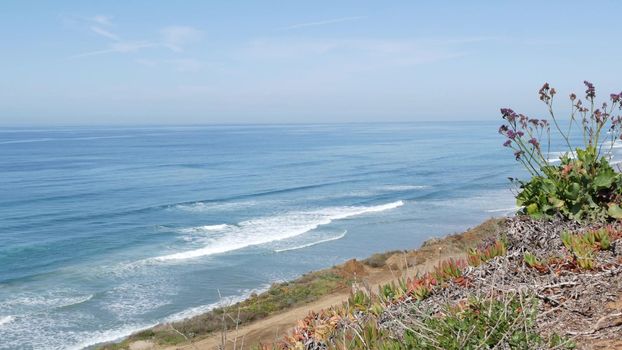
(449, 269)
(479, 256)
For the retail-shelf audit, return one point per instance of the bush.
(583, 186)
(507, 322)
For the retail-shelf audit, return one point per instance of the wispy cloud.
(173, 38)
(105, 33)
(324, 22)
(120, 47)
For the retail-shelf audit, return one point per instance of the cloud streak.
(103, 32)
(324, 22)
(173, 38)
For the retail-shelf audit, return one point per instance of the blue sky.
(179, 62)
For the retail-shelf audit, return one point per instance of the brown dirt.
(397, 265)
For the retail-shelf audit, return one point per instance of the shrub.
(583, 186)
(508, 322)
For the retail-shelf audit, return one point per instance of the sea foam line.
(312, 243)
(105, 336)
(275, 228)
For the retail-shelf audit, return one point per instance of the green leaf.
(556, 202)
(573, 190)
(532, 209)
(604, 180)
(615, 211)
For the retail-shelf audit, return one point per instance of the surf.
(275, 228)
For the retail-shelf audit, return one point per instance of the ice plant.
(479, 256)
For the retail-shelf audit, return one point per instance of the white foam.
(225, 301)
(6, 319)
(49, 301)
(312, 243)
(274, 228)
(206, 228)
(99, 337)
(200, 207)
(502, 210)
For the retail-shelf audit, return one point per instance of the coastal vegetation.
(584, 185)
(521, 289)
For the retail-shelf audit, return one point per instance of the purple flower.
(520, 134)
(590, 92)
(507, 143)
(511, 135)
(503, 129)
(573, 97)
(508, 114)
(544, 92)
(534, 142)
(534, 121)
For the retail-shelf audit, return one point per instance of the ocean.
(108, 230)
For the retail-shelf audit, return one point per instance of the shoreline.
(263, 316)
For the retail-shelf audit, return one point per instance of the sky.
(200, 62)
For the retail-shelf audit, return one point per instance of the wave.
(50, 301)
(206, 228)
(200, 207)
(6, 319)
(275, 228)
(312, 243)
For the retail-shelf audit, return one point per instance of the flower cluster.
(525, 135)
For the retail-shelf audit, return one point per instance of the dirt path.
(273, 327)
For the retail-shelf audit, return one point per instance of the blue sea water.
(108, 230)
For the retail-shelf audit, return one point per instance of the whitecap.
(52, 300)
(274, 228)
(205, 228)
(6, 319)
(312, 243)
(201, 207)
